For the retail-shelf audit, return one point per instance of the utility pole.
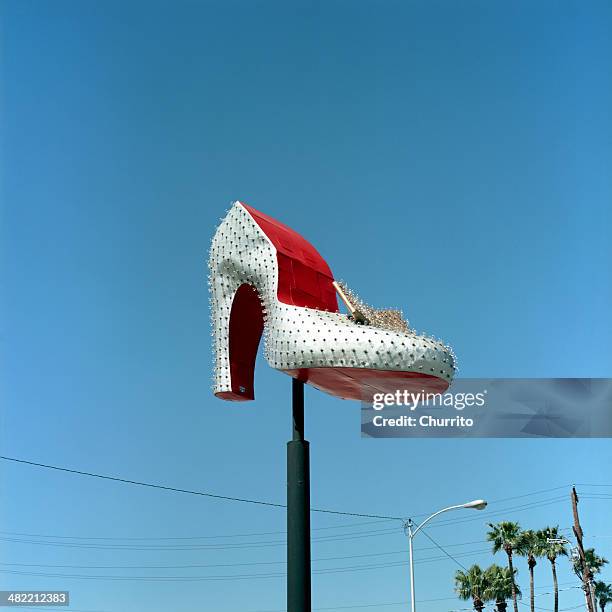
(298, 509)
(586, 571)
(410, 530)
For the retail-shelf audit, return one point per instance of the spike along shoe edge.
(266, 279)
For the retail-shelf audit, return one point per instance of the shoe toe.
(340, 357)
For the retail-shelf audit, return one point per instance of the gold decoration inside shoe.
(384, 318)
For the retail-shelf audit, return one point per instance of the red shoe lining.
(304, 277)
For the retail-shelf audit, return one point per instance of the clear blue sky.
(452, 159)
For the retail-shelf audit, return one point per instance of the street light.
(477, 504)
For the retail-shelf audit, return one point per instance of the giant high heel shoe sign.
(266, 279)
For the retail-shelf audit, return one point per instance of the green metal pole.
(298, 509)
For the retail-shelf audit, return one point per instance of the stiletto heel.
(265, 278)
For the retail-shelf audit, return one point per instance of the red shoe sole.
(362, 383)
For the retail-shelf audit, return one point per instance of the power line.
(141, 543)
(260, 544)
(332, 570)
(370, 605)
(215, 546)
(495, 501)
(579, 484)
(206, 537)
(595, 496)
(380, 518)
(402, 603)
(188, 491)
(551, 593)
(272, 504)
(443, 550)
(485, 515)
(333, 537)
(198, 566)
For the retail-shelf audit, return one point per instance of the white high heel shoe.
(264, 277)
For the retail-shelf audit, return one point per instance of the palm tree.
(471, 585)
(498, 586)
(506, 536)
(552, 550)
(603, 593)
(594, 563)
(531, 546)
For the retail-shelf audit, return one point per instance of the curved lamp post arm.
(415, 531)
(477, 504)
